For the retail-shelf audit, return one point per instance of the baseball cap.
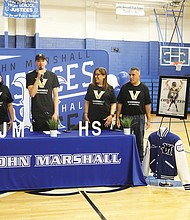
(40, 56)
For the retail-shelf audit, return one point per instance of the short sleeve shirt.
(134, 99)
(5, 99)
(43, 101)
(100, 100)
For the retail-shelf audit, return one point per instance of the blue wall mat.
(130, 54)
(145, 55)
(63, 43)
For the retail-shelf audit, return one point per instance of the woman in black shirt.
(100, 100)
(6, 107)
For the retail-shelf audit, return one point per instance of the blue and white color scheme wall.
(74, 69)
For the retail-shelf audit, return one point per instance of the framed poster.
(173, 97)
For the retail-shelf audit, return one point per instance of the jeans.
(137, 129)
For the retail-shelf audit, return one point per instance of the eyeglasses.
(97, 74)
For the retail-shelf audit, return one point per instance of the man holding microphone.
(43, 89)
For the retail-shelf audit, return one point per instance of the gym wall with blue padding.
(122, 55)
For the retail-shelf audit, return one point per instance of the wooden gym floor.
(138, 203)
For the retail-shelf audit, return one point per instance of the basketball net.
(178, 65)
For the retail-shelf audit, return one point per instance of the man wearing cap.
(42, 84)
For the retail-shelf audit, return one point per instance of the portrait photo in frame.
(173, 97)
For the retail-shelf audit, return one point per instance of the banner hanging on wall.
(74, 69)
(21, 9)
(130, 9)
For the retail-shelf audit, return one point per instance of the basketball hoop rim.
(177, 63)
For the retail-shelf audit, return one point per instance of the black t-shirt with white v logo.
(133, 99)
(100, 100)
(43, 102)
(5, 99)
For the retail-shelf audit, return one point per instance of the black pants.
(1, 127)
(39, 122)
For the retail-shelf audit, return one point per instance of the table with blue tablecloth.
(38, 161)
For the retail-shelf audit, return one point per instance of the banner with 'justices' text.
(74, 69)
(21, 9)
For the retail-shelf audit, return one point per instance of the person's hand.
(147, 126)
(10, 124)
(40, 72)
(118, 123)
(54, 117)
(108, 121)
(86, 117)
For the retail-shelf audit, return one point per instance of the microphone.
(41, 78)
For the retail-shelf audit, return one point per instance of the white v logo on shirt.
(42, 84)
(98, 96)
(134, 96)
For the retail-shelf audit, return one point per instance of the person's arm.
(108, 119)
(113, 109)
(55, 102)
(34, 88)
(11, 114)
(119, 107)
(167, 85)
(148, 115)
(181, 85)
(86, 107)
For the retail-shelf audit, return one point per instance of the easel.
(185, 126)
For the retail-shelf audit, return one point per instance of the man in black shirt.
(134, 100)
(41, 84)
